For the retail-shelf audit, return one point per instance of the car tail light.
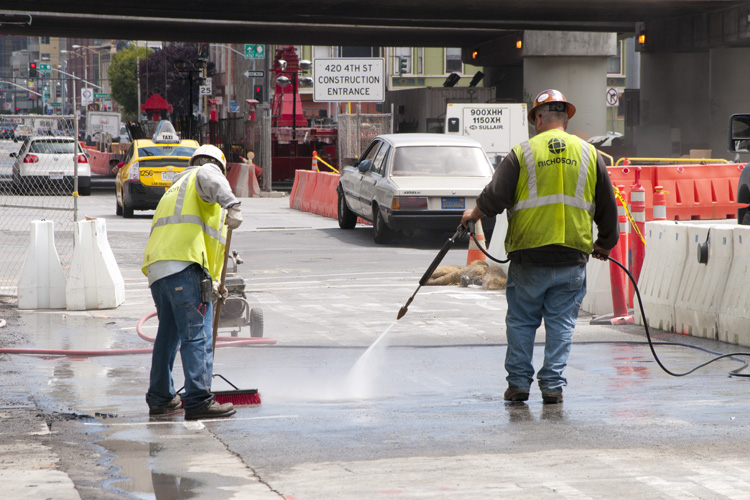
(82, 158)
(31, 159)
(134, 172)
(409, 202)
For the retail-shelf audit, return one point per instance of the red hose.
(227, 342)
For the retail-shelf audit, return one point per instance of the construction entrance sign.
(347, 79)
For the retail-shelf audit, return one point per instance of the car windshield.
(440, 161)
(166, 151)
(52, 146)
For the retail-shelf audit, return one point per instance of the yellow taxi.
(149, 167)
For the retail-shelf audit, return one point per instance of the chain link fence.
(227, 134)
(41, 165)
(356, 132)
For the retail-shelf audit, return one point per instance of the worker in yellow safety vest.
(183, 259)
(553, 187)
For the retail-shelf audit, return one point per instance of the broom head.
(238, 398)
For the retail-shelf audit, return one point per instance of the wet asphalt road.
(424, 418)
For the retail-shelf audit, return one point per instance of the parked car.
(47, 164)
(7, 131)
(413, 181)
(23, 132)
(148, 169)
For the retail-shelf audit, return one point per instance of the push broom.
(238, 397)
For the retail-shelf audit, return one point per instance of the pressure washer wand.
(460, 233)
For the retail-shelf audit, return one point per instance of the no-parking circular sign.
(613, 97)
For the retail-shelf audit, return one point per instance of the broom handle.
(220, 301)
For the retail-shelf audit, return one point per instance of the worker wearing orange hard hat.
(553, 186)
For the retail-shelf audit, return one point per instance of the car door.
(353, 188)
(373, 179)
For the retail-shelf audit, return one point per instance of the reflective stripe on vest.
(538, 201)
(178, 216)
(186, 228)
(554, 197)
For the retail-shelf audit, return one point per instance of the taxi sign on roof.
(346, 79)
(165, 133)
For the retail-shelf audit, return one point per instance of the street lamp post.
(189, 69)
(98, 64)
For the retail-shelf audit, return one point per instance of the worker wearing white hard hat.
(183, 260)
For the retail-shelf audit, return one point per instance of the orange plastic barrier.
(693, 191)
(294, 201)
(309, 189)
(331, 201)
(242, 179)
(316, 192)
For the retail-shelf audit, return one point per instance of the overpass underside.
(692, 71)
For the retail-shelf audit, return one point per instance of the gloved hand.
(599, 253)
(234, 216)
(220, 291)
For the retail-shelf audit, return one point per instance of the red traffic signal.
(32, 69)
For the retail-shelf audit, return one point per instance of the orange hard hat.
(547, 97)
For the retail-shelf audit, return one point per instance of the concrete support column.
(675, 106)
(575, 63)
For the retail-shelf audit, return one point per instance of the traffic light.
(452, 80)
(403, 64)
(32, 70)
(477, 78)
(258, 93)
(203, 51)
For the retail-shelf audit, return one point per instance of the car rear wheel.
(118, 208)
(84, 189)
(127, 212)
(347, 218)
(381, 232)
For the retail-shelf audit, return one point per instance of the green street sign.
(255, 51)
(101, 96)
(54, 104)
(45, 67)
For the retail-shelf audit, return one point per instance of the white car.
(46, 164)
(413, 181)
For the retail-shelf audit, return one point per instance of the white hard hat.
(211, 152)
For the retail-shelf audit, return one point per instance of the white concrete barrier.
(94, 281)
(734, 314)
(42, 281)
(702, 286)
(598, 299)
(497, 242)
(659, 283)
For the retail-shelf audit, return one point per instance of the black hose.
(470, 226)
(651, 344)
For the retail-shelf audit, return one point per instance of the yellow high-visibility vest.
(186, 228)
(554, 199)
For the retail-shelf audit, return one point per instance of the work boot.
(516, 394)
(552, 398)
(212, 410)
(168, 408)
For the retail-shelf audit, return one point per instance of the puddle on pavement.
(132, 464)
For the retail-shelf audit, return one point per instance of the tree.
(163, 78)
(122, 75)
(158, 76)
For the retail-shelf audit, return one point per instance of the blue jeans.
(185, 323)
(535, 293)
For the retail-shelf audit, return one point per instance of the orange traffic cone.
(315, 161)
(475, 253)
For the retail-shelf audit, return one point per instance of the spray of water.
(361, 379)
